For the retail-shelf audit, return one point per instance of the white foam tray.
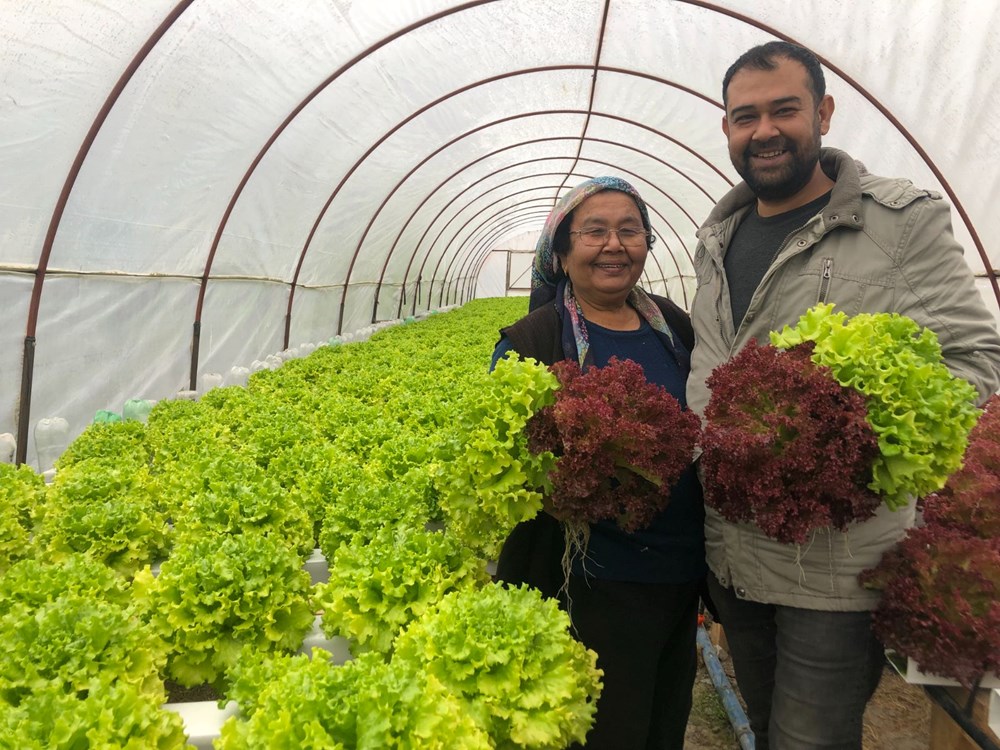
(915, 675)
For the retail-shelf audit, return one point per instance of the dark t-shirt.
(754, 247)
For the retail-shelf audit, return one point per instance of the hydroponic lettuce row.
(123, 442)
(229, 475)
(221, 592)
(107, 510)
(363, 505)
(785, 446)
(620, 444)
(109, 714)
(66, 624)
(36, 583)
(21, 492)
(228, 493)
(368, 704)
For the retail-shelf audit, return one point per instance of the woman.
(636, 603)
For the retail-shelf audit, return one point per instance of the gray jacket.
(880, 245)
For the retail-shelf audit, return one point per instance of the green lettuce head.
(921, 413)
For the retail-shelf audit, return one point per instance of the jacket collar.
(844, 207)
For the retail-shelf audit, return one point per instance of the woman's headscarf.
(549, 281)
(546, 271)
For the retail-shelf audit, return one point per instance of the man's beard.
(790, 179)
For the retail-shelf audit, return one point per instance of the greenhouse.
(254, 261)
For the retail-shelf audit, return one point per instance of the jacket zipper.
(824, 281)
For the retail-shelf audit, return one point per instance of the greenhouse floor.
(898, 717)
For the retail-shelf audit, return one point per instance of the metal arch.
(28, 361)
(515, 225)
(472, 218)
(517, 145)
(494, 228)
(520, 216)
(652, 208)
(613, 117)
(472, 254)
(454, 174)
(413, 115)
(444, 282)
(468, 293)
(488, 241)
(658, 213)
(431, 193)
(196, 336)
(531, 176)
(471, 257)
(455, 255)
(670, 254)
(593, 92)
(910, 138)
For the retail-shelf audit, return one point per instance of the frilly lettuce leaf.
(488, 479)
(220, 593)
(509, 653)
(921, 413)
(110, 714)
(378, 586)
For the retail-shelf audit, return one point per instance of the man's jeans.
(806, 675)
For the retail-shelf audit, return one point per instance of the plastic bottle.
(137, 409)
(102, 416)
(8, 448)
(209, 380)
(238, 375)
(51, 439)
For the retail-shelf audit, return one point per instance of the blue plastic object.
(737, 716)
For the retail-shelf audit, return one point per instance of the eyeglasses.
(600, 236)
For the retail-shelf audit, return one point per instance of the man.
(808, 225)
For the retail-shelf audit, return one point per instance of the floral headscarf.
(547, 273)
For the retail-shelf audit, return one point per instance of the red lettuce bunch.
(785, 446)
(620, 441)
(970, 501)
(941, 602)
(940, 586)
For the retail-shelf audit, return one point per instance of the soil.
(897, 718)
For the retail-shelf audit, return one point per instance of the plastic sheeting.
(270, 172)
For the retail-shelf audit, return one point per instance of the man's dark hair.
(765, 57)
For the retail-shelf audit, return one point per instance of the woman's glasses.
(600, 236)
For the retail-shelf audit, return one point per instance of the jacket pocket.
(833, 279)
(702, 266)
